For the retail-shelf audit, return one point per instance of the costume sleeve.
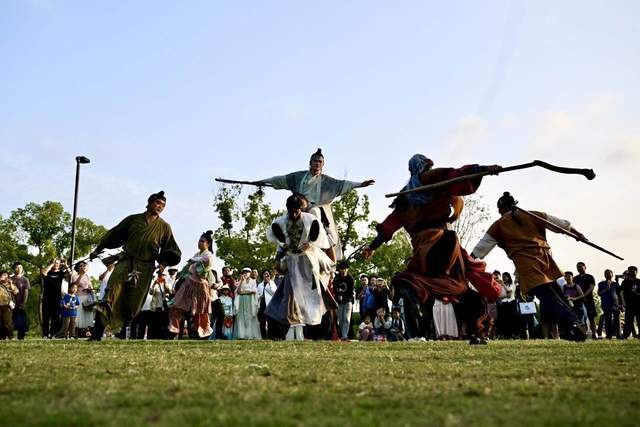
(462, 188)
(170, 253)
(386, 229)
(278, 182)
(117, 236)
(562, 223)
(484, 246)
(348, 186)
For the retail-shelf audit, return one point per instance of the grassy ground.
(289, 384)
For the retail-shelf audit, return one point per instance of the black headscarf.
(156, 196)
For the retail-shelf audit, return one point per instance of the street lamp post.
(80, 160)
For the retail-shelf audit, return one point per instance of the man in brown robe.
(524, 240)
(439, 267)
(146, 239)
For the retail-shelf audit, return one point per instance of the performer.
(194, 295)
(524, 240)
(439, 267)
(320, 190)
(303, 297)
(146, 239)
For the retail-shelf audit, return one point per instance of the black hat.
(343, 264)
(318, 153)
(507, 201)
(157, 196)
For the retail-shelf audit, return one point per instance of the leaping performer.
(319, 189)
(146, 239)
(522, 235)
(439, 266)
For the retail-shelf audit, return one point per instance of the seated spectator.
(381, 325)
(396, 332)
(366, 329)
(69, 312)
(8, 292)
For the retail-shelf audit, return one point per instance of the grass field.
(340, 384)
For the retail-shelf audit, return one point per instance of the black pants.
(611, 322)
(631, 316)
(158, 325)
(262, 318)
(217, 317)
(555, 308)
(507, 319)
(20, 322)
(50, 316)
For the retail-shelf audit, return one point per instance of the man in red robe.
(439, 267)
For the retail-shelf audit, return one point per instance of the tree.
(241, 238)
(474, 215)
(349, 211)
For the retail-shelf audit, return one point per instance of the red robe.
(439, 266)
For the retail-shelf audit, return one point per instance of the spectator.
(366, 329)
(630, 296)
(266, 289)
(229, 312)
(69, 310)
(608, 291)
(382, 295)
(20, 319)
(159, 310)
(396, 332)
(8, 292)
(368, 300)
(246, 326)
(492, 309)
(227, 279)
(172, 279)
(295, 332)
(104, 280)
(574, 295)
(508, 309)
(444, 319)
(86, 296)
(381, 325)
(52, 277)
(217, 311)
(587, 284)
(343, 290)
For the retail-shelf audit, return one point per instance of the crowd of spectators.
(367, 309)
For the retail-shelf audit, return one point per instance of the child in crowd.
(396, 332)
(366, 329)
(7, 294)
(229, 311)
(381, 325)
(69, 310)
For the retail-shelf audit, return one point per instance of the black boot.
(98, 329)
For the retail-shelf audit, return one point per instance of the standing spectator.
(574, 295)
(217, 311)
(343, 291)
(20, 319)
(608, 291)
(492, 309)
(104, 280)
(246, 324)
(444, 319)
(229, 312)
(508, 308)
(631, 301)
(266, 289)
(86, 296)
(366, 329)
(382, 295)
(227, 279)
(52, 277)
(587, 283)
(69, 309)
(159, 292)
(172, 279)
(8, 291)
(367, 298)
(139, 325)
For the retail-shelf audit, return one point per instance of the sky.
(169, 95)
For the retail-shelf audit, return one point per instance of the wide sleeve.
(558, 222)
(170, 253)
(484, 246)
(386, 229)
(462, 188)
(117, 236)
(277, 182)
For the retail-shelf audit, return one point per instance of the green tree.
(241, 238)
(10, 249)
(351, 212)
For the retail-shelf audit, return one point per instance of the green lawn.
(339, 384)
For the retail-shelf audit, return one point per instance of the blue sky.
(169, 95)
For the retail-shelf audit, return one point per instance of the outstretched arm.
(484, 246)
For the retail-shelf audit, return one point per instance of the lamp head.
(83, 160)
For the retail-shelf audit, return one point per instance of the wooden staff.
(587, 173)
(568, 233)
(256, 183)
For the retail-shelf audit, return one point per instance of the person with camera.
(52, 277)
(87, 297)
(159, 292)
